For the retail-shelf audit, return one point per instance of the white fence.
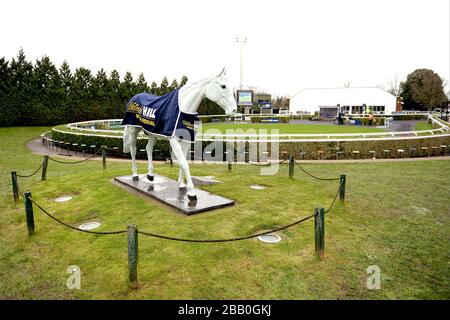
(85, 128)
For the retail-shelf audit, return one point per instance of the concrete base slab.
(204, 180)
(166, 191)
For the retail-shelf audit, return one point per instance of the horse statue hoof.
(150, 178)
(192, 198)
(192, 203)
(135, 178)
(182, 189)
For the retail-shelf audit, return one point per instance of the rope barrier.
(335, 197)
(180, 239)
(30, 175)
(175, 238)
(72, 227)
(313, 176)
(225, 240)
(75, 162)
(263, 164)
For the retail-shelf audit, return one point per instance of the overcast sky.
(291, 44)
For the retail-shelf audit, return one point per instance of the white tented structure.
(330, 101)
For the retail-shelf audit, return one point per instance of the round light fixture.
(269, 238)
(257, 187)
(89, 225)
(63, 199)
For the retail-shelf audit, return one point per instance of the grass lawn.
(286, 128)
(283, 128)
(423, 126)
(384, 222)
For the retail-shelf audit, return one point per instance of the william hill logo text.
(148, 113)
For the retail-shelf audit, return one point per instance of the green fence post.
(104, 157)
(15, 186)
(291, 166)
(229, 162)
(132, 254)
(29, 213)
(319, 231)
(44, 168)
(342, 187)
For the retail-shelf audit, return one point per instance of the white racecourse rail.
(442, 130)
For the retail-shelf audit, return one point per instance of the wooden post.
(104, 157)
(15, 186)
(132, 254)
(44, 168)
(342, 187)
(319, 231)
(29, 213)
(291, 166)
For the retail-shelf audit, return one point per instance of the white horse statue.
(173, 117)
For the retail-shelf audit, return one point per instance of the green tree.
(20, 93)
(423, 89)
(208, 107)
(173, 85)
(45, 106)
(183, 81)
(6, 112)
(66, 76)
(115, 106)
(141, 84)
(81, 104)
(42, 94)
(164, 87)
(5, 76)
(100, 95)
(154, 88)
(127, 87)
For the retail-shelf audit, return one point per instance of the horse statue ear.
(222, 73)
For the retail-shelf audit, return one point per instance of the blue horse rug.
(161, 115)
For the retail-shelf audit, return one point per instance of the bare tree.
(393, 86)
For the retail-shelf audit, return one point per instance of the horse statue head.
(219, 90)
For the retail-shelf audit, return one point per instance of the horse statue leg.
(185, 146)
(184, 166)
(149, 148)
(129, 145)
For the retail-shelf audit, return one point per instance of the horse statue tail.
(126, 140)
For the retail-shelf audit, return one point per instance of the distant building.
(328, 102)
(262, 99)
(252, 99)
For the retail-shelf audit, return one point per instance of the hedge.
(408, 116)
(99, 140)
(300, 150)
(301, 117)
(378, 121)
(206, 119)
(311, 149)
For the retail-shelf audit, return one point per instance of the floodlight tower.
(241, 41)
